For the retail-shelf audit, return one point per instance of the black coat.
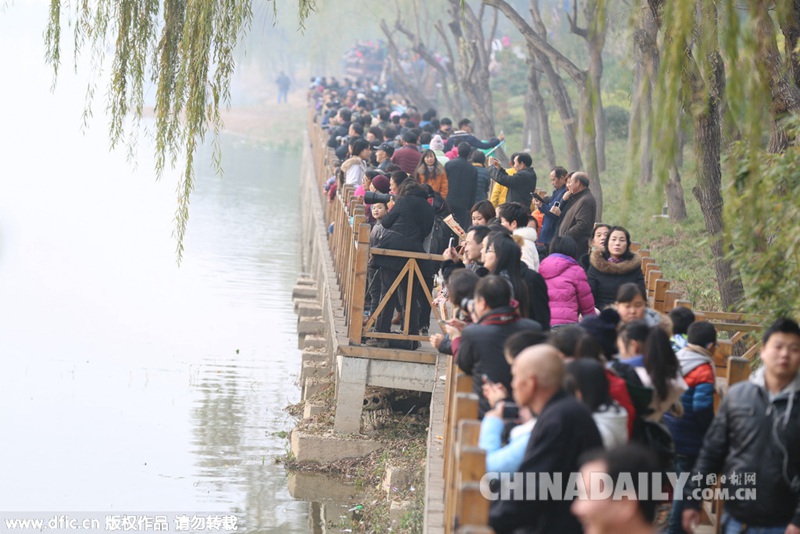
(563, 432)
(481, 349)
(462, 181)
(538, 299)
(340, 131)
(606, 277)
(520, 185)
(483, 185)
(753, 434)
(406, 224)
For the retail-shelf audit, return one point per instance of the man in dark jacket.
(343, 127)
(579, 213)
(521, 184)
(481, 350)
(406, 224)
(563, 432)
(558, 177)
(754, 441)
(464, 135)
(462, 181)
(478, 160)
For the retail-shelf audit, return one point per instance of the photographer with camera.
(499, 457)
(481, 348)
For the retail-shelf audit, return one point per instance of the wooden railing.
(465, 509)
(349, 247)
(729, 368)
(740, 327)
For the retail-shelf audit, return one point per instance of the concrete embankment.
(337, 375)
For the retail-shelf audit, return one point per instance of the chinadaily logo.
(600, 486)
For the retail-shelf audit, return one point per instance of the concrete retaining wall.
(321, 328)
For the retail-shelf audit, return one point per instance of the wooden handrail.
(350, 251)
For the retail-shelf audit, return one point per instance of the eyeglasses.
(489, 250)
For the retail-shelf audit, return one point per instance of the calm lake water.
(130, 384)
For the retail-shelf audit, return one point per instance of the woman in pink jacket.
(567, 286)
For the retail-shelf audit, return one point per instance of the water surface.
(129, 383)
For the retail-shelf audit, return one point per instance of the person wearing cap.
(579, 212)
(383, 155)
(408, 156)
(380, 184)
(464, 135)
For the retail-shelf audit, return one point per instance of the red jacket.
(619, 392)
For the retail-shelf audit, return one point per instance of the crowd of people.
(551, 320)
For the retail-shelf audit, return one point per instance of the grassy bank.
(680, 248)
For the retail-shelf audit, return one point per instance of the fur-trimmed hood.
(348, 163)
(607, 267)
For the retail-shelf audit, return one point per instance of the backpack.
(436, 241)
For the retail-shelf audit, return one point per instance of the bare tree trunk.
(676, 205)
(547, 56)
(452, 103)
(457, 106)
(596, 15)
(559, 90)
(541, 109)
(639, 127)
(708, 192)
(790, 26)
(784, 92)
(590, 146)
(473, 65)
(531, 142)
(401, 78)
(595, 36)
(646, 58)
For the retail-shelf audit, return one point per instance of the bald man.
(578, 211)
(563, 432)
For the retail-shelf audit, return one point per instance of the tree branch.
(573, 22)
(542, 46)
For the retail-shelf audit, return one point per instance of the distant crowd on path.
(552, 322)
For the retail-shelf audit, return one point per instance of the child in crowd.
(681, 319)
(379, 210)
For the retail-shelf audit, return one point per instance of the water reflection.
(129, 384)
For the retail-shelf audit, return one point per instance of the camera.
(371, 197)
(466, 304)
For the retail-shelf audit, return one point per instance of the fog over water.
(130, 383)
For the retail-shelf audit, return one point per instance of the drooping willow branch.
(185, 48)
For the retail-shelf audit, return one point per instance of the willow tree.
(184, 48)
(535, 37)
(722, 63)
